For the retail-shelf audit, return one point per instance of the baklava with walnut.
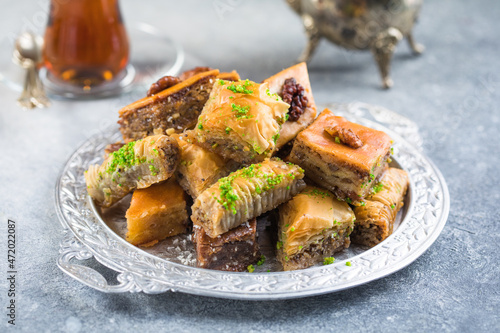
(341, 156)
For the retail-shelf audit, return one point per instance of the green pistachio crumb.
(328, 260)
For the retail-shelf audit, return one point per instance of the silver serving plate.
(170, 265)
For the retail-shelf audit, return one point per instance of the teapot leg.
(313, 38)
(382, 48)
(415, 47)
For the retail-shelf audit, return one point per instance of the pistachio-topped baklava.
(341, 156)
(312, 226)
(241, 121)
(138, 164)
(245, 194)
(375, 220)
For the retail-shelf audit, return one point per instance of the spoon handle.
(25, 99)
(39, 97)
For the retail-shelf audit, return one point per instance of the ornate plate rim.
(159, 275)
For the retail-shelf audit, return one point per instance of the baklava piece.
(138, 164)
(156, 213)
(174, 109)
(375, 220)
(341, 156)
(245, 194)
(234, 250)
(241, 121)
(312, 226)
(293, 86)
(199, 168)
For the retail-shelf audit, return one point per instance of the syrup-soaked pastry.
(138, 164)
(176, 108)
(245, 194)
(292, 127)
(241, 121)
(375, 220)
(234, 250)
(312, 226)
(156, 212)
(199, 168)
(336, 165)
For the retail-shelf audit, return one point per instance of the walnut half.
(162, 84)
(345, 136)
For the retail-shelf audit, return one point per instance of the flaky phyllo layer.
(138, 164)
(245, 194)
(241, 120)
(310, 217)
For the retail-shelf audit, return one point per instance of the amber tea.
(86, 43)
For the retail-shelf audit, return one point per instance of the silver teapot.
(377, 25)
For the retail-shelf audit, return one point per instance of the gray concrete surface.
(452, 92)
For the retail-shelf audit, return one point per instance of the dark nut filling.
(162, 84)
(293, 93)
(345, 136)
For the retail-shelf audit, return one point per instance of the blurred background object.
(376, 25)
(86, 43)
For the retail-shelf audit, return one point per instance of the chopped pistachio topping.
(372, 177)
(261, 261)
(279, 245)
(241, 111)
(393, 206)
(241, 88)
(276, 137)
(348, 263)
(274, 96)
(251, 268)
(228, 129)
(328, 260)
(124, 158)
(228, 197)
(317, 193)
(378, 187)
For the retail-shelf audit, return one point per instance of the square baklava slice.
(156, 212)
(343, 157)
(234, 250)
(241, 121)
(171, 110)
(375, 220)
(312, 226)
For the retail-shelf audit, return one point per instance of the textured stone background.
(452, 92)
